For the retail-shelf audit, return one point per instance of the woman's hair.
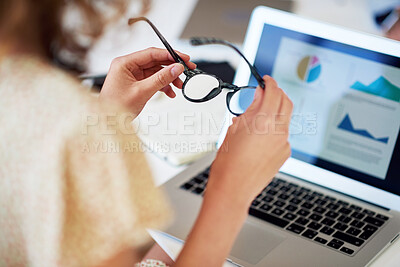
(63, 30)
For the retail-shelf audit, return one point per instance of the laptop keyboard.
(321, 218)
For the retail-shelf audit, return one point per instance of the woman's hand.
(133, 79)
(255, 147)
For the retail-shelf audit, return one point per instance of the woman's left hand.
(133, 79)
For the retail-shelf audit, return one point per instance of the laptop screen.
(346, 99)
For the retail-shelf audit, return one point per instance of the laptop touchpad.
(254, 243)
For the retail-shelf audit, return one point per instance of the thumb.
(162, 78)
(256, 101)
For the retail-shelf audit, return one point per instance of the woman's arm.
(254, 149)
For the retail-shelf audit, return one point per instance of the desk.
(123, 40)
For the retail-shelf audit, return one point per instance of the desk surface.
(121, 39)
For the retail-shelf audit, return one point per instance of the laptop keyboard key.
(370, 228)
(268, 218)
(314, 225)
(328, 221)
(358, 215)
(332, 214)
(198, 180)
(319, 210)
(265, 207)
(308, 197)
(272, 192)
(326, 230)
(290, 216)
(268, 198)
(374, 221)
(366, 234)
(344, 219)
(330, 198)
(369, 212)
(332, 206)
(295, 228)
(255, 203)
(321, 240)
(357, 224)
(310, 234)
(302, 221)
(277, 212)
(279, 203)
(336, 244)
(304, 189)
(187, 186)
(345, 211)
(382, 217)
(347, 250)
(283, 196)
(303, 212)
(285, 189)
(348, 238)
(291, 208)
(317, 194)
(353, 231)
(320, 202)
(297, 193)
(307, 205)
(315, 217)
(355, 207)
(295, 201)
(343, 203)
(340, 226)
(198, 190)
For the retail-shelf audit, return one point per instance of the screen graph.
(380, 87)
(347, 125)
(309, 69)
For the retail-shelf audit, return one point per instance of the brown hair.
(41, 22)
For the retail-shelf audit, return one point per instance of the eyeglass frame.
(190, 73)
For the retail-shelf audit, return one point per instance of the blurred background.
(179, 20)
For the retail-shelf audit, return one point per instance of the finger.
(151, 71)
(148, 72)
(168, 91)
(138, 59)
(157, 63)
(255, 105)
(178, 83)
(162, 78)
(185, 58)
(191, 65)
(286, 109)
(272, 96)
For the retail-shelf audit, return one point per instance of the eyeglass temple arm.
(174, 55)
(204, 41)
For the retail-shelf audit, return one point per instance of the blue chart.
(347, 125)
(380, 87)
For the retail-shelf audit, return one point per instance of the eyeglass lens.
(200, 86)
(241, 100)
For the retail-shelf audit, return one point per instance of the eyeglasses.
(200, 86)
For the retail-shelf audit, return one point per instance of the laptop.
(336, 200)
(226, 19)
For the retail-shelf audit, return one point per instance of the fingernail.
(176, 70)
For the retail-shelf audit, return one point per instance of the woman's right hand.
(255, 147)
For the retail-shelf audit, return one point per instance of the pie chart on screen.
(309, 69)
